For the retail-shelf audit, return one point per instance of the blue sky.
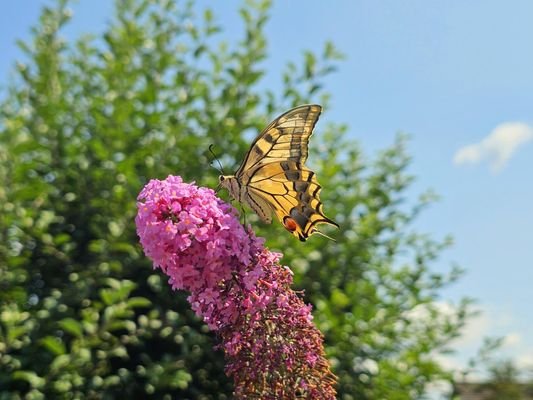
(455, 75)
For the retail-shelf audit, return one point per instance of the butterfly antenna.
(323, 234)
(221, 170)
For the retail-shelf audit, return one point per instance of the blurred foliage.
(505, 382)
(83, 127)
(504, 378)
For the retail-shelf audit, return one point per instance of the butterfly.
(273, 177)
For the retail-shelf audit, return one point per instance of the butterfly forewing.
(286, 138)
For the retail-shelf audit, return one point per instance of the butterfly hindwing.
(260, 205)
(293, 191)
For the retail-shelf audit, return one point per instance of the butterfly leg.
(243, 212)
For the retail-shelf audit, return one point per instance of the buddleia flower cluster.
(238, 287)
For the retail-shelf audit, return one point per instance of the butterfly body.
(273, 179)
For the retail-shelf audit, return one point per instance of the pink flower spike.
(238, 287)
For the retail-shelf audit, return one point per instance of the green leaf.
(14, 332)
(72, 326)
(138, 302)
(53, 344)
(60, 362)
(31, 377)
(339, 299)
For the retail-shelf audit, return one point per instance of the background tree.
(503, 379)
(87, 123)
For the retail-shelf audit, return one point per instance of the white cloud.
(498, 147)
(525, 359)
(512, 339)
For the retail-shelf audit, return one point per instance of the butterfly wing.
(285, 139)
(273, 178)
(292, 192)
(259, 204)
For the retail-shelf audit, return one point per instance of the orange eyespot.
(290, 224)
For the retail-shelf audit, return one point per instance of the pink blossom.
(238, 287)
